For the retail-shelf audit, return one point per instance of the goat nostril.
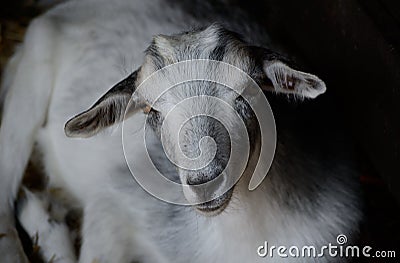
(199, 179)
(193, 181)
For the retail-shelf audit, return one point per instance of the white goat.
(69, 58)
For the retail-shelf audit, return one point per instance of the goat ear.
(287, 80)
(108, 110)
(276, 75)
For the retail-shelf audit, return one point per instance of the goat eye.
(153, 112)
(154, 118)
(239, 99)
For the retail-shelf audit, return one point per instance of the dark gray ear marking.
(224, 38)
(155, 56)
(219, 52)
(261, 54)
(108, 110)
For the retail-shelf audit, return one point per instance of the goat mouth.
(215, 206)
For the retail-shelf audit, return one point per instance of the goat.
(69, 58)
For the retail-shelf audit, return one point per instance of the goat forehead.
(195, 57)
(202, 89)
(197, 97)
(175, 83)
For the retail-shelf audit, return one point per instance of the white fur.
(52, 237)
(70, 57)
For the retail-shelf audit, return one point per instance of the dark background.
(354, 47)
